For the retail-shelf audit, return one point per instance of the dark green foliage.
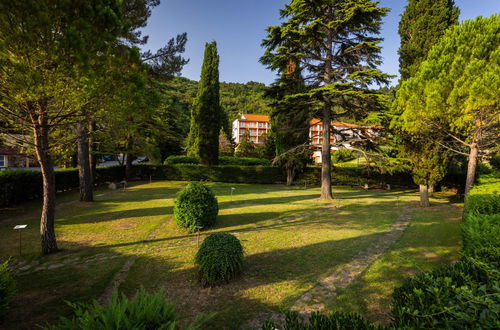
(22, 185)
(196, 207)
(223, 160)
(481, 227)
(422, 24)
(343, 155)
(143, 312)
(181, 160)
(317, 321)
(19, 186)
(495, 162)
(206, 115)
(484, 198)
(219, 258)
(460, 296)
(7, 287)
(481, 231)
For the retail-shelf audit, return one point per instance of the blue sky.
(239, 26)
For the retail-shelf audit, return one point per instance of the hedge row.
(223, 160)
(467, 293)
(23, 185)
(357, 176)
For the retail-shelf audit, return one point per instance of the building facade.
(256, 125)
(343, 135)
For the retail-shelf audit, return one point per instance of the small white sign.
(20, 226)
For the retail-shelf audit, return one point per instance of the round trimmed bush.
(219, 258)
(195, 206)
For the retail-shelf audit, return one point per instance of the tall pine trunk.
(471, 167)
(326, 159)
(424, 195)
(41, 136)
(84, 171)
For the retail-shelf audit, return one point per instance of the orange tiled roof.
(315, 121)
(249, 117)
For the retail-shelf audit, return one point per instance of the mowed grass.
(291, 242)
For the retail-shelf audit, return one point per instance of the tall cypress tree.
(206, 114)
(421, 26)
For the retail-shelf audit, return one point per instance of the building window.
(2, 160)
(252, 124)
(242, 131)
(260, 124)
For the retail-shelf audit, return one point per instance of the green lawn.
(291, 242)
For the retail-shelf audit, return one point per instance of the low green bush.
(143, 312)
(7, 288)
(333, 321)
(219, 259)
(465, 295)
(481, 231)
(223, 160)
(243, 161)
(196, 207)
(181, 160)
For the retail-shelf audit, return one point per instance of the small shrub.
(219, 258)
(144, 311)
(195, 206)
(7, 287)
(333, 321)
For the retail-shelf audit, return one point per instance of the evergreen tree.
(455, 92)
(336, 42)
(206, 115)
(422, 24)
(290, 122)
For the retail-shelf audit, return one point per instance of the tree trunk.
(47, 231)
(289, 176)
(326, 160)
(471, 167)
(128, 161)
(84, 171)
(92, 149)
(424, 196)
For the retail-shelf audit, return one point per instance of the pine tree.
(455, 92)
(290, 122)
(206, 114)
(422, 24)
(336, 43)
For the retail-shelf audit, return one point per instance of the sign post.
(19, 227)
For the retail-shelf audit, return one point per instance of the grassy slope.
(291, 241)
